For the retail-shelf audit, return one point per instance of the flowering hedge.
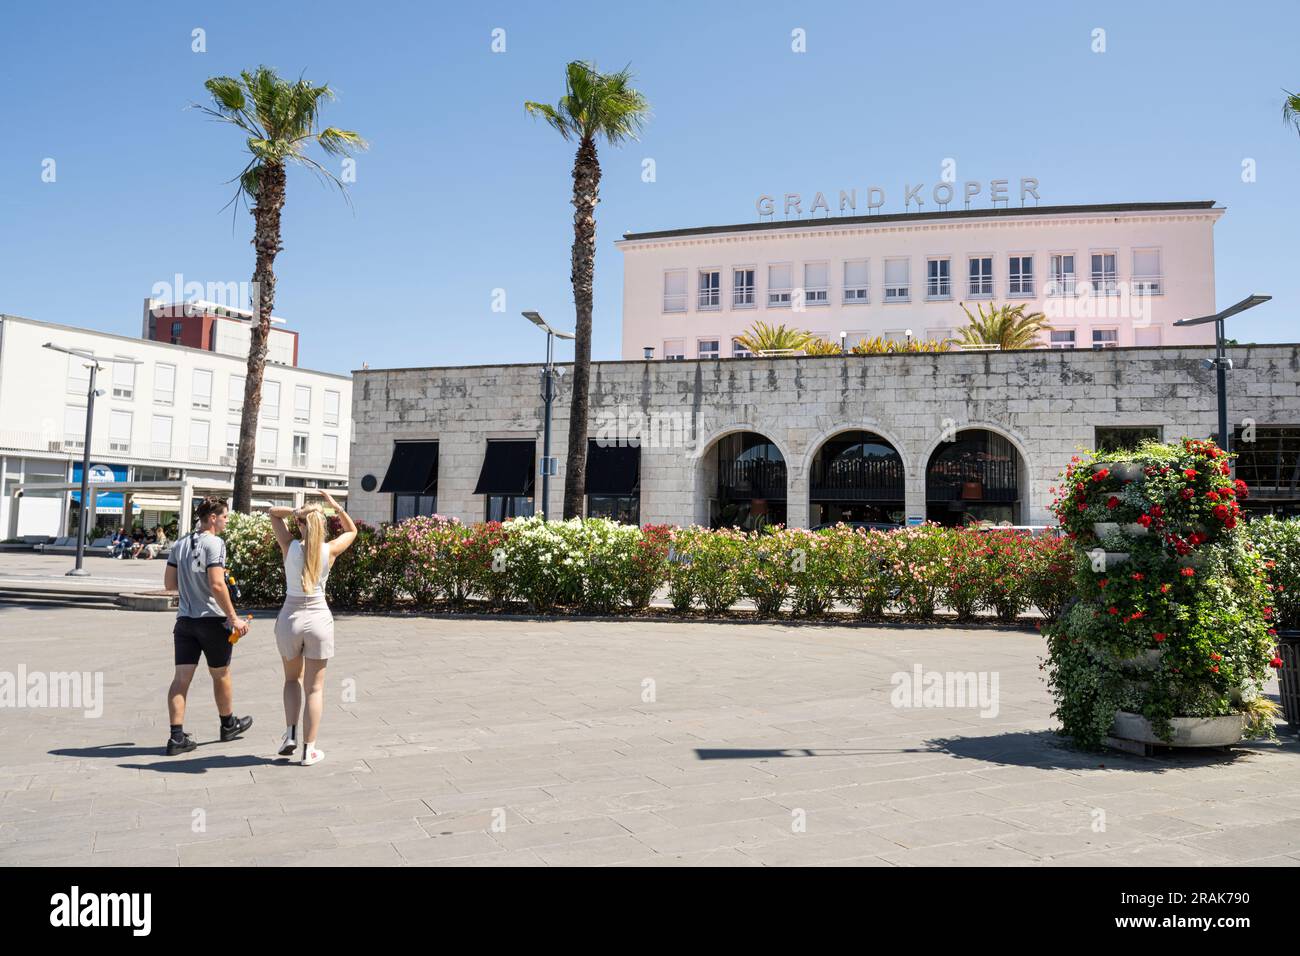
(1172, 613)
(598, 566)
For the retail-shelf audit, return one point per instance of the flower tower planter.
(1171, 644)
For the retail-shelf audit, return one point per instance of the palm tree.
(279, 120)
(1291, 109)
(594, 106)
(761, 338)
(1006, 326)
(819, 346)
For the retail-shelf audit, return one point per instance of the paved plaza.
(546, 743)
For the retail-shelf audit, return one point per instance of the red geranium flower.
(1112, 610)
(1275, 663)
(1189, 472)
(1187, 494)
(1157, 511)
(1144, 521)
(1159, 636)
(1137, 575)
(1221, 512)
(1101, 475)
(1189, 572)
(1164, 588)
(1112, 503)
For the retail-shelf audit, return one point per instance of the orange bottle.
(234, 635)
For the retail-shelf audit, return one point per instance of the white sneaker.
(311, 755)
(287, 744)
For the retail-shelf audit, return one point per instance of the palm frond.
(595, 105)
(1291, 109)
(1006, 326)
(761, 337)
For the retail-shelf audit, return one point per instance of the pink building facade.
(1113, 275)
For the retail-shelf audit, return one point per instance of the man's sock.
(178, 732)
(228, 720)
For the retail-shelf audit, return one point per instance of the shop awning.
(507, 468)
(413, 469)
(613, 469)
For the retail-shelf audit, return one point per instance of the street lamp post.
(91, 394)
(1221, 363)
(548, 395)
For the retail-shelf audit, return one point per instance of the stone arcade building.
(806, 440)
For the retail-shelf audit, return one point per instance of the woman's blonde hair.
(312, 528)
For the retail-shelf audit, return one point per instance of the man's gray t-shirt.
(192, 555)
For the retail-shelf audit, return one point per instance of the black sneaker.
(183, 746)
(236, 729)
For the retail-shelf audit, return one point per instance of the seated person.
(121, 541)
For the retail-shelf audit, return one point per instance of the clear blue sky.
(462, 193)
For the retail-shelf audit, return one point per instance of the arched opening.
(857, 477)
(976, 477)
(748, 490)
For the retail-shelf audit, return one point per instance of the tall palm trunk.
(586, 193)
(266, 240)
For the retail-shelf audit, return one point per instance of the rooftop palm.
(1006, 326)
(761, 337)
(280, 121)
(595, 106)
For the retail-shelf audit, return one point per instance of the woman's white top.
(293, 559)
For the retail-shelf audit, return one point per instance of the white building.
(1105, 275)
(173, 416)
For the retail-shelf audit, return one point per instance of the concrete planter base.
(1188, 731)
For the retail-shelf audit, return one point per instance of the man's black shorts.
(206, 635)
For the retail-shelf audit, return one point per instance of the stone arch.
(1024, 470)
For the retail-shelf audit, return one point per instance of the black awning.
(613, 469)
(507, 468)
(413, 469)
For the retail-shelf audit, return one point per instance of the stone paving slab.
(537, 743)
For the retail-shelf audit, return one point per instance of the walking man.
(197, 569)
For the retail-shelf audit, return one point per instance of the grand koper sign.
(940, 195)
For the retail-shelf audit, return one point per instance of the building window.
(201, 394)
(675, 350)
(74, 426)
(938, 279)
(160, 440)
(178, 329)
(119, 431)
(1105, 281)
(268, 442)
(1061, 281)
(331, 408)
(1147, 279)
(236, 401)
(299, 450)
(625, 509)
(123, 379)
(78, 375)
(1105, 338)
(816, 281)
(739, 351)
(164, 384)
(198, 440)
(232, 444)
(1129, 437)
(707, 348)
(270, 400)
(1269, 464)
(414, 506)
(710, 292)
(778, 287)
(742, 288)
(981, 276)
(1020, 276)
(675, 290)
(302, 403)
(898, 280)
(1062, 339)
(329, 452)
(855, 282)
(505, 507)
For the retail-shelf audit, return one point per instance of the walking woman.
(304, 631)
